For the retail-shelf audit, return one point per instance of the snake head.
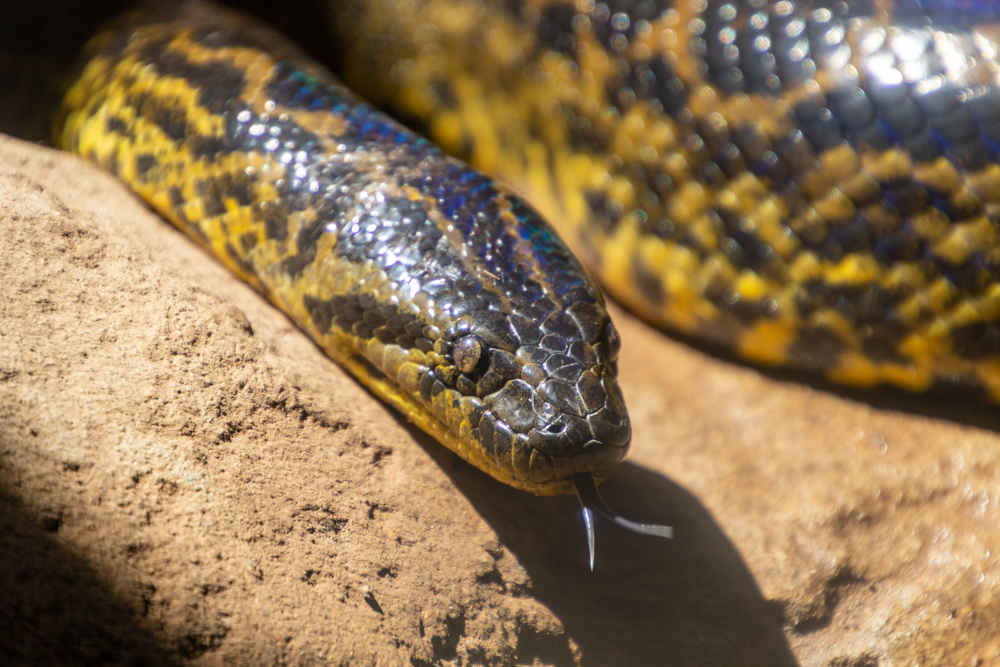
(547, 378)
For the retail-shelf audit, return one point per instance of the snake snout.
(562, 427)
(582, 427)
(581, 424)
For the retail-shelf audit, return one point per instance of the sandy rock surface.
(186, 480)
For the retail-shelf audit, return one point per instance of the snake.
(808, 184)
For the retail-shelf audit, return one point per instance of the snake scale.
(810, 184)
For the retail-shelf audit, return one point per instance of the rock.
(186, 480)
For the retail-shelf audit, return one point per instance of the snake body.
(813, 185)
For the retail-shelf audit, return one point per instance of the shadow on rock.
(651, 602)
(54, 609)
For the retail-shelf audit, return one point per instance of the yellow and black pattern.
(440, 290)
(810, 184)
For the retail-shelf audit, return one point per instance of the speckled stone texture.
(185, 480)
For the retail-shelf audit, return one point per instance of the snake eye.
(468, 353)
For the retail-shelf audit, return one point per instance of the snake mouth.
(597, 458)
(594, 458)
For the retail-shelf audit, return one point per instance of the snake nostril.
(555, 429)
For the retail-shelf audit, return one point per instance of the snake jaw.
(591, 502)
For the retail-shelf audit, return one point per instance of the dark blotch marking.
(862, 305)
(238, 189)
(176, 196)
(275, 220)
(816, 348)
(604, 213)
(220, 83)
(513, 7)
(852, 108)
(295, 264)
(143, 163)
(743, 248)
(973, 156)
(900, 246)
(747, 312)
(635, 10)
(322, 312)
(115, 124)
(970, 277)
(173, 122)
(248, 241)
(555, 28)
(584, 136)
(201, 146)
(241, 260)
(883, 345)
(977, 341)
(306, 243)
(213, 204)
(656, 80)
(819, 125)
(649, 283)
